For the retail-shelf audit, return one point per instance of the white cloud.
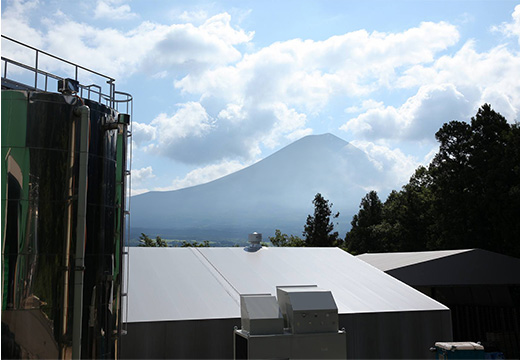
(198, 16)
(111, 10)
(307, 73)
(501, 102)
(395, 167)
(267, 96)
(512, 28)
(204, 174)
(365, 105)
(417, 119)
(261, 98)
(476, 75)
(196, 48)
(135, 191)
(191, 119)
(288, 121)
(149, 47)
(143, 133)
(139, 179)
(140, 175)
(16, 23)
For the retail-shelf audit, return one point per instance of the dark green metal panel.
(40, 176)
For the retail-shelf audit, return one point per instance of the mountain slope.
(274, 193)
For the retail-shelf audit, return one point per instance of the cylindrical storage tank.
(62, 228)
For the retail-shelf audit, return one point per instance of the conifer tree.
(318, 230)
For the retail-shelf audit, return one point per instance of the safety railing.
(40, 78)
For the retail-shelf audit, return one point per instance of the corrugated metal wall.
(404, 335)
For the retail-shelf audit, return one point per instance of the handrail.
(110, 97)
(58, 58)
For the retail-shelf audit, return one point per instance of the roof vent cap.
(254, 240)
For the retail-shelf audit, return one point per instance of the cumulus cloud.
(16, 23)
(193, 136)
(365, 105)
(142, 133)
(266, 97)
(149, 47)
(191, 119)
(395, 167)
(417, 119)
(204, 174)
(140, 178)
(112, 10)
(480, 76)
(139, 175)
(306, 73)
(198, 16)
(195, 48)
(512, 28)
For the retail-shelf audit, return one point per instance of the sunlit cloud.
(203, 175)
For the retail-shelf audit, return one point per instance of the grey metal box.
(260, 314)
(308, 309)
(290, 346)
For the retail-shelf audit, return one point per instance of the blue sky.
(219, 85)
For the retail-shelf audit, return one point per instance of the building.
(185, 302)
(481, 288)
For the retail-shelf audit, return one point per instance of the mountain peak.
(274, 193)
(322, 139)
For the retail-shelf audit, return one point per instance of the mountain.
(274, 193)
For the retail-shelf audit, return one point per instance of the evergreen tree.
(318, 231)
(160, 242)
(475, 184)
(145, 241)
(407, 215)
(366, 225)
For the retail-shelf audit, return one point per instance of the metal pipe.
(36, 72)
(79, 262)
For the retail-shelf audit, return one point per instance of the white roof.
(448, 267)
(390, 261)
(168, 284)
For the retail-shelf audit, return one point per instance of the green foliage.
(468, 197)
(318, 231)
(283, 240)
(160, 242)
(364, 235)
(205, 243)
(145, 241)
(475, 184)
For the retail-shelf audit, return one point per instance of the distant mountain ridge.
(274, 193)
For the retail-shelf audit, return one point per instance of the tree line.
(467, 197)
(146, 241)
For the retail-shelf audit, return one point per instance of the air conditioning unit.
(302, 324)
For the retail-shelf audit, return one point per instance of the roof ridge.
(226, 284)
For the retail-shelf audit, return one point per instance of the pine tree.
(318, 229)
